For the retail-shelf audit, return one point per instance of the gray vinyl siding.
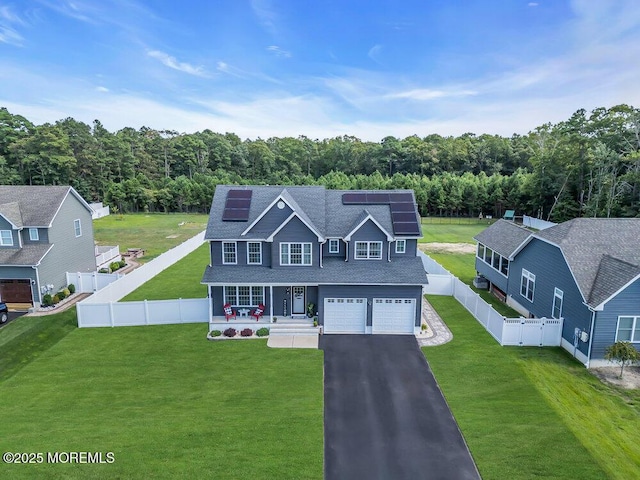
(410, 249)
(495, 277)
(271, 221)
(295, 231)
(5, 225)
(547, 263)
(369, 292)
(368, 232)
(69, 253)
(626, 302)
(43, 236)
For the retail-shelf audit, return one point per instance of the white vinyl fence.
(542, 332)
(536, 223)
(156, 312)
(101, 308)
(89, 282)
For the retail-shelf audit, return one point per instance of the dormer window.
(368, 250)
(334, 245)
(295, 253)
(401, 246)
(33, 235)
(6, 238)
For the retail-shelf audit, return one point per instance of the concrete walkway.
(293, 341)
(438, 332)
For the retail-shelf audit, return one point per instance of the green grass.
(529, 412)
(148, 231)
(451, 231)
(181, 280)
(168, 403)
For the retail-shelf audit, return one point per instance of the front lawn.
(168, 404)
(532, 412)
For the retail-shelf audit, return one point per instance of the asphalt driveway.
(384, 414)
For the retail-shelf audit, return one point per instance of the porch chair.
(258, 312)
(228, 311)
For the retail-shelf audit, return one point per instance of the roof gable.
(38, 205)
(504, 237)
(365, 217)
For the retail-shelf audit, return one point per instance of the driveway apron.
(384, 414)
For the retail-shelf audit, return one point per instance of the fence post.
(94, 277)
(111, 318)
(146, 312)
(180, 310)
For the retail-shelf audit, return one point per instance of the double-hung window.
(229, 253)
(244, 296)
(295, 253)
(527, 284)
(401, 246)
(77, 226)
(557, 303)
(33, 235)
(6, 238)
(368, 250)
(334, 245)
(254, 253)
(628, 329)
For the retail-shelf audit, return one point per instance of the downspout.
(593, 322)
(35, 267)
(320, 253)
(346, 251)
(388, 250)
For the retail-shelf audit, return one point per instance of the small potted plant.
(275, 319)
(315, 321)
(424, 328)
(310, 310)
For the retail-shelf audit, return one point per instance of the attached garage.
(15, 291)
(345, 315)
(394, 315)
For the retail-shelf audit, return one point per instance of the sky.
(323, 68)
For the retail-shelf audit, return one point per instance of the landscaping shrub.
(247, 332)
(61, 295)
(72, 288)
(66, 292)
(122, 263)
(230, 332)
(104, 270)
(47, 300)
(114, 266)
(262, 332)
(215, 333)
(55, 299)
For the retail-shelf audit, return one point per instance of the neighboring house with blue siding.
(352, 254)
(585, 270)
(45, 231)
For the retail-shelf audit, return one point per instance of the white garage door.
(393, 315)
(345, 315)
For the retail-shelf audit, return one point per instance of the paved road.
(384, 415)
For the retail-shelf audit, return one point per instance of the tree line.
(588, 165)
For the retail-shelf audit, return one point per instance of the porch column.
(210, 301)
(271, 303)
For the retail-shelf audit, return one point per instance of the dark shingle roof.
(321, 208)
(11, 211)
(586, 244)
(37, 204)
(503, 237)
(27, 255)
(409, 271)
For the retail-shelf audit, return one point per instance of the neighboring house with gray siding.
(45, 231)
(352, 254)
(585, 270)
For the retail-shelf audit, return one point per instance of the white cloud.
(102, 89)
(266, 14)
(374, 53)
(429, 94)
(532, 4)
(278, 52)
(8, 32)
(172, 62)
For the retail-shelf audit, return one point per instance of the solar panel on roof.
(237, 206)
(378, 198)
(402, 207)
(406, 228)
(400, 197)
(403, 217)
(354, 198)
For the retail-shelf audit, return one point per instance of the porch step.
(292, 329)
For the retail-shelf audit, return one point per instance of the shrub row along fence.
(542, 332)
(102, 310)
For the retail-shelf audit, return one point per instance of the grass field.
(165, 401)
(155, 233)
(446, 230)
(531, 412)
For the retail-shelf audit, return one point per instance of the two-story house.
(585, 270)
(348, 256)
(45, 231)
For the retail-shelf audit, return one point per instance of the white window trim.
(557, 294)
(249, 262)
(235, 303)
(2, 242)
(404, 246)
(337, 245)
(302, 244)
(530, 278)
(235, 253)
(634, 325)
(368, 257)
(34, 236)
(493, 255)
(77, 227)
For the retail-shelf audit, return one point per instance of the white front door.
(394, 315)
(345, 315)
(297, 304)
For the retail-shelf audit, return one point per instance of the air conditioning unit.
(481, 282)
